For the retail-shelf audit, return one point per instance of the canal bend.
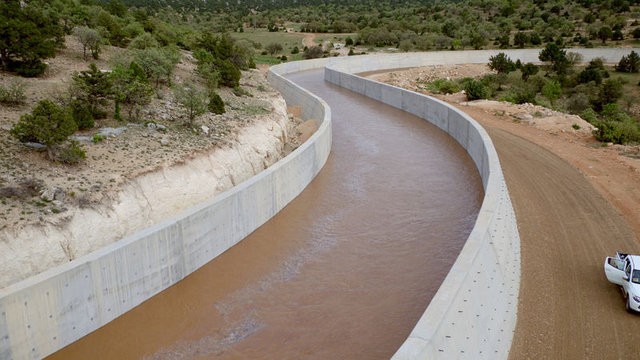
(343, 272)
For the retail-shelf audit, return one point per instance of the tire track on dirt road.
(567, 309)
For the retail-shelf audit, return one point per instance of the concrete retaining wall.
(44, 313)
(473, 314)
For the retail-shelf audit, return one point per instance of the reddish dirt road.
(567, 309)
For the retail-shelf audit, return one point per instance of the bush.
(33, 68)
(13, 94)
(229, 74)
(444, 86)
(629, 63)
(577, 103)
(71, 154)
(47, 124)
(613, 125)
(216, 105)
(528, 70)
(96, 138)
(501, 63)
(81, 114)
(313, 52)
(192, 100)
(476, 90)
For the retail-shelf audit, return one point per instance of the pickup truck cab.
(624, 270)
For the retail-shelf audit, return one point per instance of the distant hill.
(254, 4)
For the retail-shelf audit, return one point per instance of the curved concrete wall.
(51, 310)
(473, 314)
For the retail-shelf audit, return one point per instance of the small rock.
(52, 193)
(164, 141)
(81, 138)
(36, 146)
(112, 131)
(524, 117)
(205, 129)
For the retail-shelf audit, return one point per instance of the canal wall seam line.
(49, 311)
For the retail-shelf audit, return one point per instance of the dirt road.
(576, 202)
(567, 309)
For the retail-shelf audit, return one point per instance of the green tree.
(216, 105)
(90, 39)
(501, 63)
(27, 36)
(552, 90)
(48, 124)
(528, 70)
(605, 33)
(93, 87)
(595, 71)
(629, 63)
(313, 52)
(520, 39)
(130, 89)
(143, 41)
(608, 93)
(273, 48)
(556, 57)
(157, 64)
(192, 99)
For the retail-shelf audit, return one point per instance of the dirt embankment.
(576, 201)
(142, 173)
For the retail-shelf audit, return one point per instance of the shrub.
(501, 63)
(577, 103)
(313, 52)
(618, 132)
(216, 105)
(229, 74)
(192, 100)
(81, 114)
(444, 86)
(629, 63)
(71, 154)
(552, 90)
(522, 94)
(476, 90)
(528, 70)
(47, 124)
(613, 125)
(96, 138)
(32, 68)
(13, 94)
(238, 91)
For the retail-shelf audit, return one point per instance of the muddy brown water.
(343, 272)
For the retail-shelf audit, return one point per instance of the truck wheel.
(628, 304)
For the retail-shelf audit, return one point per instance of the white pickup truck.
(624, 270)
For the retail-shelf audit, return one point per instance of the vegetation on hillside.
(594, 91)
(154, 32)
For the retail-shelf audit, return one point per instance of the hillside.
(41, 198)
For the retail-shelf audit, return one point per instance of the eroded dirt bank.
(146, 199)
